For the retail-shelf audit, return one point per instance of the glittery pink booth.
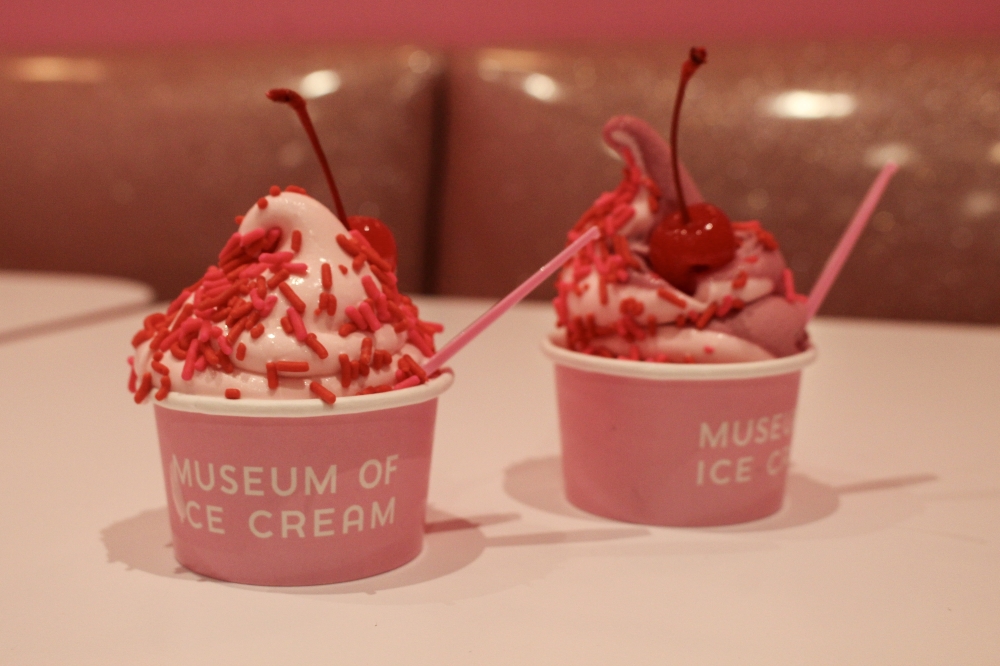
(295, 492)
(676, 444)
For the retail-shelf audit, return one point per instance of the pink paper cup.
(296, 492)
(675, 444)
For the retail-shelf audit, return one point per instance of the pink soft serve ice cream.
(615, 298)
(300, 305)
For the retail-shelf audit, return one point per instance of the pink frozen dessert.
(302, 304)
(671, 279)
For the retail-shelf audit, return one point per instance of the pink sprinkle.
(188, 372)
(709, 349)
(209, 285)
(355, 316)
(251, 236)
(752, 259)
(253, 270)
(296, 269)
(269, 303)
(258, 302)
(200, 364)
(725, 306)
(169, 341)
(179, 301)
(275, 257)
(370, 287)
(369, 315)
(789, 281)
(382, 308)
(231, 244)
(297, 325)
(419, 342)
(206, 330)
(357, 235)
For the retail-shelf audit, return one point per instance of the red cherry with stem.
(294, 100)
(696, 238)
(374, 231)
(377, 235)
(678, 252)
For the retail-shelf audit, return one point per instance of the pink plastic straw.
(843, 250)
(510, 300)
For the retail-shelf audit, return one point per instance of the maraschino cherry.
(375, 232)
(695, 238)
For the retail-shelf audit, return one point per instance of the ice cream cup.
(295, 492)
(675, 444)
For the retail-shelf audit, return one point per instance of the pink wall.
(55, 23)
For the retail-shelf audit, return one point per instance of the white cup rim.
(554, 347)
(301, 408)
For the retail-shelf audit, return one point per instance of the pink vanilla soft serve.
(671, 279)
(302, 304)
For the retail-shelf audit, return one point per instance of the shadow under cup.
(295, 492)
(675, 444)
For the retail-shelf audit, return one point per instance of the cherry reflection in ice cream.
(302, 304)
(672, 279)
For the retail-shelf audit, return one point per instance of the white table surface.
(887, 551)
(34, 301)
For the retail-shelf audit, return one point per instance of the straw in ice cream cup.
(675, 444)
(295, 492)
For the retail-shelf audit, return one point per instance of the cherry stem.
(294, 100)
(695, 59)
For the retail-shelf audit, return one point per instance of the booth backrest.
(136, 163)
(789, 134)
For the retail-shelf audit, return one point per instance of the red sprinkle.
(241, 351)
(345, 370)
(296, 240)
(164, 388)
(707, 315)
(257, 331)
(317, 346)
(272, 376)
(347, 329)
(239, 219)
(322, 393)
(141, 336)
(327, 276)
(286, 325)
(740, 280)
(296, 189)
(297, 325)
(278, 278)
(292, 297)
(233, 394)
(160, 368)
(343, 268)
(262, 203)
(671, 297)
(274, 191)
(144, 387)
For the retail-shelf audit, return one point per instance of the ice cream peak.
(612, 303)
(298, 306)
